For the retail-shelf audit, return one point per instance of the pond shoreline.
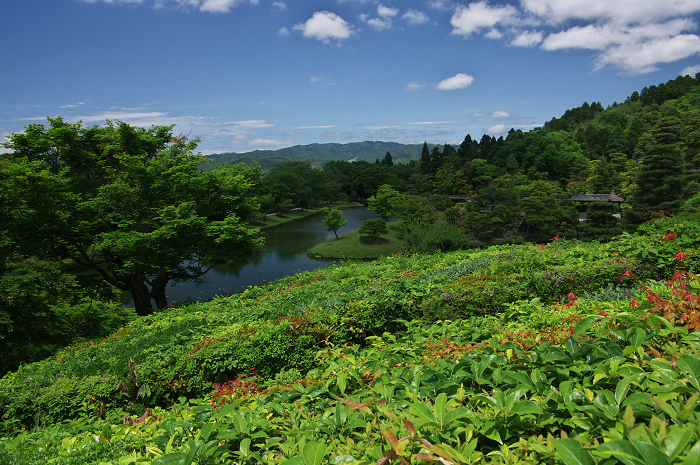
(275, 219)
(285, 254)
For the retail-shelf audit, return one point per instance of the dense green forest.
(564, 341)
(645, 150)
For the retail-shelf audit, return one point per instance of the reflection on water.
(284, 255)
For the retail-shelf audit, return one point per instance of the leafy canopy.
(334, 220)
(129, 203)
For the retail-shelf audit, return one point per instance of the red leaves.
(354, 405)
(627, 273)
(242, 386)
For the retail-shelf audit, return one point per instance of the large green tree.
(297, 181)
(384, 201)
(662, 176)
(128, 203)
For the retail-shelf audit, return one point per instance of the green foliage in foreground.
(503, 366)
(618, 386)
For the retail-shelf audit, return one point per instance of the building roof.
(583, 197)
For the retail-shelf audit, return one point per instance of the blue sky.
(259, 74)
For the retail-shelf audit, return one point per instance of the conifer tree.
(663, 174)
(425, 165)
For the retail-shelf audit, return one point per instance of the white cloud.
(497, 129)
(386, 12)
(493, 34)
(247, 124)
(460, 81)
(632, 35)
(67, 106)
(441, 5)
(209, 6)
(279, 6)
(385, 133)
(495, 114)
(384, 20)
(477, 16)
(634, 49)
(324, 26)
(643, 58)
(320, 78)
(527, 39)
(414, 85)
(317, 127)
(218, 6)
(620, 12)
(127, 117)
(270, 142)
(587, 37)
(435, 132)
(380, 23)
(431, 122)
(691, 71)
(599, 37)
(415, 17)
(283, 31)
(113, 1)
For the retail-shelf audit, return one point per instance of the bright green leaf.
(571, 452)
(313, 453)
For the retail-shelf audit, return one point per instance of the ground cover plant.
(563, 352)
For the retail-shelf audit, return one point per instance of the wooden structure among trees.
(584, 198)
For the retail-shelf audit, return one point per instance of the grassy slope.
(173, 351)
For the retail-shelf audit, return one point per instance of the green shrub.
(437, 237)
(371, 230)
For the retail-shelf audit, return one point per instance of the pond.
(284, 255)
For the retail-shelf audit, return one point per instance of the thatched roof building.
(583, 197)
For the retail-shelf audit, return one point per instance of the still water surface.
(284, 255)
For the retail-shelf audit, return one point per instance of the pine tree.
(425, 165)
(388, 161)
(662, 177)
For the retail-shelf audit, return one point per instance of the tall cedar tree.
(663, 174)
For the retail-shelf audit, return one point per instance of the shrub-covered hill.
(524, 354)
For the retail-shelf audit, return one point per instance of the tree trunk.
(158, 289)
(141, 297)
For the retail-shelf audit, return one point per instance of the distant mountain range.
(319, 154)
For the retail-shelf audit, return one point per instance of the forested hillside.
(319, 154)
(645, 150)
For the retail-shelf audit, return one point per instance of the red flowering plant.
(243, 386)
(679, 301)
(673, 245)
